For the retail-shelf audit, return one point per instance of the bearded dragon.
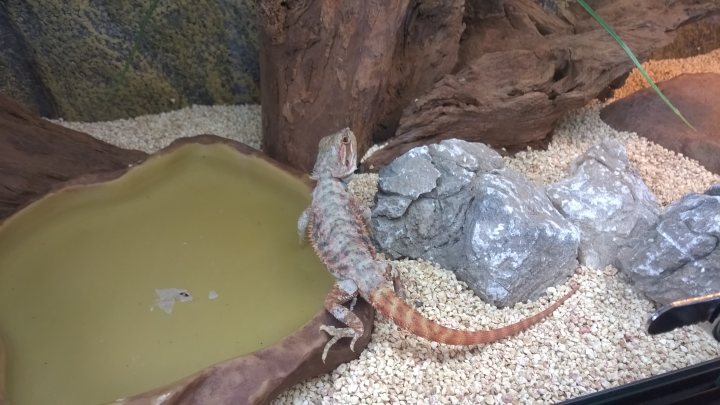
(337, 228)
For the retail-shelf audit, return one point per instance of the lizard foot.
(337, 334)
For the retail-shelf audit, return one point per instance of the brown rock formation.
(697, 96)
(66, 58)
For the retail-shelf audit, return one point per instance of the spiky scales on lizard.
(337, 228)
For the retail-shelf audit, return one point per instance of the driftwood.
(524, 69)
(328, 64)
(37, 155)
(499, 72)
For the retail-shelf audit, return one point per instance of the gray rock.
(496, 230)
(410, 175)
(516, 243)
(393, 206)
(607, 200)
(714, 190)
(458, 162)
(679, 257)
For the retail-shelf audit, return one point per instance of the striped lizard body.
(337, 229)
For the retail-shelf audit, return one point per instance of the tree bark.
(36, 155)
(500, 72)
(328, 64)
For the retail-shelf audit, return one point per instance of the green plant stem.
(627, 50)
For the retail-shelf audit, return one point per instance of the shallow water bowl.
(110, 289)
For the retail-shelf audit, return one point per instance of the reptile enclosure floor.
(79, 271)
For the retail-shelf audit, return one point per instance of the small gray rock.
(496, 230)
(679, 257)
(410, 175)
(458, 162)
(393, 206)
(607, 200)
(714, 190)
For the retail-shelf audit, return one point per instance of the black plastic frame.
(697, 385)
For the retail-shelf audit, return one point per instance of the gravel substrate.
(150, 133)
(665, 69)
(668, 174)
(596, 340)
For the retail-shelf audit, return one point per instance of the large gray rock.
(607, 200)
(423, 195)
(516, 243)
(679, 257)
(454, 203)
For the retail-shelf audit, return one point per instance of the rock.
(607, 200)
(714, 190)
(64, 59)
(495, 229)
(412, 176)
(680, 256)
(697, 96)
(516, 243)
(411, 207)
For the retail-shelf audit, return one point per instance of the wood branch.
(521, 68)
(326, 65)
(36, 155)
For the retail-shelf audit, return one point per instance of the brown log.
(328, 64)
(521, 68)
(36, 155)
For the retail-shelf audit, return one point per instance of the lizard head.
(337, 155)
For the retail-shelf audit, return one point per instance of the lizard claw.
(337, 334)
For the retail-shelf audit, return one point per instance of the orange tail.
(406, 317)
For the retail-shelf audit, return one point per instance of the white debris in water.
(213, 295)
(166, 297)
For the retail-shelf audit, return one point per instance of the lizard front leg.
(342, 292)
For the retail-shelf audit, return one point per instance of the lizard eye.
(345, 139)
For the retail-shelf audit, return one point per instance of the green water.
(78, 273)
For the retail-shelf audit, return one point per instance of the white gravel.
(668, 174)
(596, 340)
(150, 133)
(665, 69)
